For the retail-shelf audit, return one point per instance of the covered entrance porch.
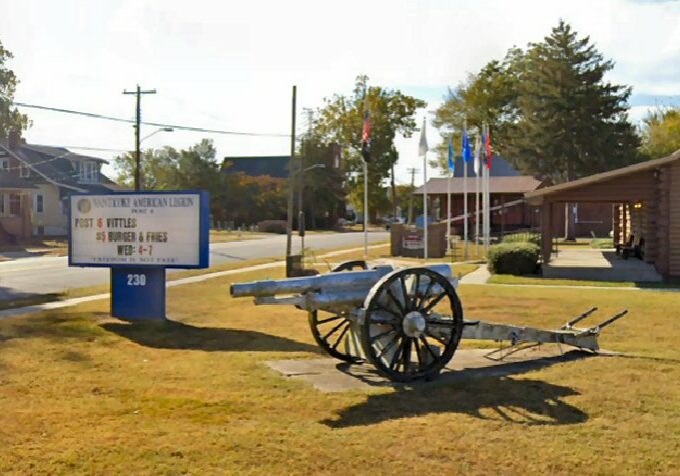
(646, 216)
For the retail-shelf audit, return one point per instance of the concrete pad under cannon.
(330, 375)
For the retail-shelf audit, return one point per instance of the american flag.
(365, 150)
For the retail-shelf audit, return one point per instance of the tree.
(661, 133)
(10, 118)
(549, 108)
(572, 122)
(341, 121)
(324, 188)
(551, 112)
(171, 169)
(486, 98)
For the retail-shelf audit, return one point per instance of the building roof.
(274, 166)
(500, 167)
(516, 184)
(537, 195)
(54, 164)
(10, 181)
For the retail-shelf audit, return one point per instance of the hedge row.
(513, 258)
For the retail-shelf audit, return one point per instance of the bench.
(636, 250)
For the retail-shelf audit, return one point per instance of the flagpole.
(448, 214)
(479, 171)
(365, 209)
(485, 186)
(465, 202)
(425, 216)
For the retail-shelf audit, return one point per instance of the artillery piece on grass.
(406, 322)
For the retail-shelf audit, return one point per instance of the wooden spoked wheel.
(331, 331)
(413, 324)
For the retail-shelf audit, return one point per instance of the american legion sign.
(138, 235)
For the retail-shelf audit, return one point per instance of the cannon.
(406, 322)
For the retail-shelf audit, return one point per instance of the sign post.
(138, 235)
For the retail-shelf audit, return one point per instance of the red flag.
(365, 144)
(488, 149)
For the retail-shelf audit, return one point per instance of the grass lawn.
(383, 252)
(82, 393)
(39, 246)
(224, 236)
(538, 280)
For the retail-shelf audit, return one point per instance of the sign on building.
(412, 241)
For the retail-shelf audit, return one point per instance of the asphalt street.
(42, 275)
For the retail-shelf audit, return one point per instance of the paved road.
(52, 274)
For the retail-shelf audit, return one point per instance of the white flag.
(478, 160)
(422, 147)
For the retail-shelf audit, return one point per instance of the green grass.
(81, 393)
(602, 243)
(540, 281)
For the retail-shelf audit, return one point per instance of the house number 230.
(136, 279)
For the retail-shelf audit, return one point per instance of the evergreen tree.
(572, 122)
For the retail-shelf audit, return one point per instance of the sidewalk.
(479, 276)
(178, 282)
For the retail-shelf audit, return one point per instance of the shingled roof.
(54, 164)
(10, 181)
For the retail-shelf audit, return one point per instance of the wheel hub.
(414, 324)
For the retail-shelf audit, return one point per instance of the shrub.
(513, 258)
(272, 226)
(525, 237)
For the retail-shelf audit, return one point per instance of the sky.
(230, 65)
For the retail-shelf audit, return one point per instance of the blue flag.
(452, 156)
(466, 147)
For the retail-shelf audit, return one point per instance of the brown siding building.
(646, 202)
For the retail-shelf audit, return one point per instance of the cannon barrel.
(321, 283)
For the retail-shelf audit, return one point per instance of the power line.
(155, 124)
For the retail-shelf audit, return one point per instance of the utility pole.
(138, 121)
(410, 201)
(291, 183)
(301, 183)
(394, 196)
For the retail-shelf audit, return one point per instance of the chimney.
(14, 139)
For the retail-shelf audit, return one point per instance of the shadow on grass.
(485, 393)
(176, 335)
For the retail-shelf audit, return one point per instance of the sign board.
(412, 241)
(167, 229)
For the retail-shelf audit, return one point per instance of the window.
(14, 204)
(2, 204)
(88, 171)
(4, 164)
(24, 171)
(39, 203)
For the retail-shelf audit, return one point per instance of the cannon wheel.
(330, 332)
(350, 265)
(401, 335)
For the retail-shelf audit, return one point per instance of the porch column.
(546, 231)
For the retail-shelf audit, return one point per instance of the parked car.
(389, 221)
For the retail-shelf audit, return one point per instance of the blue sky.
(231, 64)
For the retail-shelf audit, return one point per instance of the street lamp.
(138, 164)
(301, 213)
(162, 129)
